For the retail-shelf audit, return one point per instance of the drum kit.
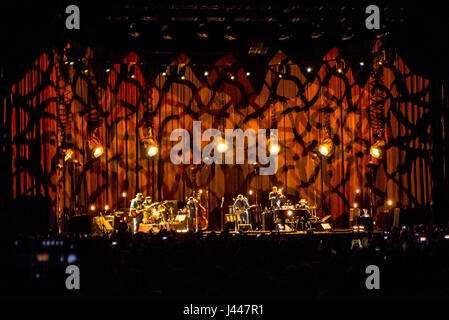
(162, 214)
(157, 213)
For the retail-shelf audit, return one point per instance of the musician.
(137, 204)
(306, 216)
(303, 204)
(147, 201)
(192, 207)
(242, 202)
(275, 197)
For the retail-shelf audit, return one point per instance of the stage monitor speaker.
(267, 221)
(102, 225)
(244, 227)
(147, 228)
(81, 224)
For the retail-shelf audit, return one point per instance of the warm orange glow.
(375, 152)
(390, 202)
(152, 151)
(68, 155)
(355, 205)
(289, 212)
(250, 192)
(124, 194)
(92, 208)
(106, 207)
(275, 149)
(222, 147)
(357, 191)
(98, 151)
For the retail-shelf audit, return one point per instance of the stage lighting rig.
(377, 150)
(326, 148)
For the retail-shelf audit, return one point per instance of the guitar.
(243, 209)
(136, 212)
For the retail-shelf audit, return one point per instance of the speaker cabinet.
(267, 221)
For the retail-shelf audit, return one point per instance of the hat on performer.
(302, 201)
(240, 196)
(139, 195)
(148, 198)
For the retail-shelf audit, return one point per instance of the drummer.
(147, 201)
(303, 204)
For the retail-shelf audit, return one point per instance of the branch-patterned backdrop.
(56, 103)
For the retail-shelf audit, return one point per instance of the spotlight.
(165, 33)
(309, 70)
(132, 70)
(289, 212)
(280, 75)
(250, 192)
(222, 146)
(108, 70)
(152, 151)
(98, 151)
(285, 33)
(339, 70)
(206, 73)
(326, 148)
(95, 146)
(376, 150)
(355, 205)
(124, 194)
(390, 203)
(347, 34)
(164, 74)
(362, 63)
(200, 191)
(357, 191)
(68, 155)
(248, 74)
(202, 31)
(72, 63)
(151, 144)
(132, 30)
(275, 149)
(229, 33)
(106, 207)
(92, 208)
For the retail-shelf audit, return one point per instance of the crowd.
(413, 263)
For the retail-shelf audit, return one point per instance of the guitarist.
(241, 206)
(136, 210)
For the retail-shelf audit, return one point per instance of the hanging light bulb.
(68, 155)
(377, 149)
(151, 144)
(95, 146)
(326, 148)
(222, 146)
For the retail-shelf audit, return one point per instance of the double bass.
(200, 220)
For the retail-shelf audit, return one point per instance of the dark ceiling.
(306, 28)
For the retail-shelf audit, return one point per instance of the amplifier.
(267, 221)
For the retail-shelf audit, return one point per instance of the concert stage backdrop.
(58, 106)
